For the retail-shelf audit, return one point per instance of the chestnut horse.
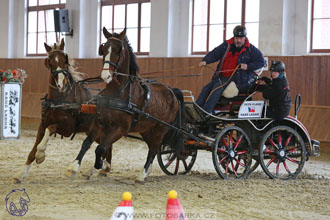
(61, 108)
(125, 95)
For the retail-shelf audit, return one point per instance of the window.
(320, 41)
(214, 21)
(40, 25)
(132, 14)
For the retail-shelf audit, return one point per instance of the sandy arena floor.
(203, 195)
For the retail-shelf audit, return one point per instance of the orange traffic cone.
(125, 209)
(174, 210)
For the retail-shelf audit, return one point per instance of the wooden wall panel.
(308, 75)
(316, 119)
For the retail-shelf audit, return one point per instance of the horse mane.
(133, 67)
(77, 76)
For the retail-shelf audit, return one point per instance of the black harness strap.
(125, 105)
(146, 100)
(115, 103)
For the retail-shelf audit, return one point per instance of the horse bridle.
(114, 66)
(65, 71)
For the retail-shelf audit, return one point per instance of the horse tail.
(174, 138)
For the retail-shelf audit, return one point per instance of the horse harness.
(126, 105)
(70, 107)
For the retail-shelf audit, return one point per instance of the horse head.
(113, 52)
(58, 63)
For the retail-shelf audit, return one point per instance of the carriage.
(241, 137)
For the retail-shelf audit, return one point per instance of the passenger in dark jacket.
(230, 54)
(277, 92)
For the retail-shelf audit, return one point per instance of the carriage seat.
(232, 105)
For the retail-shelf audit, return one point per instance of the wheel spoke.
(220, 150)
(272, 142)
(277, 168)
(287, 168)
(221, 161)
(231, 139)
(241, 152)
(170, 161)
(224, 142)
(279, 138)
(227, 165)
(294, 149)
(268, 151)
(185, 164)
(239, 163)
(177, 166)
(238, 142)
(288, 140)
(232, 165)
(271, 161)
(293, 160)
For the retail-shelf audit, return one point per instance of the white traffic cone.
(125, 210)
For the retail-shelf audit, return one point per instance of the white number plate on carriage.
(251, 109)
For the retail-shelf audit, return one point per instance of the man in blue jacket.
(231, 53)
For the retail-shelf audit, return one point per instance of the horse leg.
(41, 139)
(153, 141)
(105, 146)
(99, 151)
(106, 161)
(74, 167)
(42, 146)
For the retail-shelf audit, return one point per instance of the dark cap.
(240, 31)
(277, 66)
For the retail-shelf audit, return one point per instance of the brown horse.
(126, 94)
(61, 108)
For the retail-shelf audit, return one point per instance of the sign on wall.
(10, 100)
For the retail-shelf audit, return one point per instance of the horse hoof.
(86, 176)
(16, 180)
(103, 173)
(139, 179)
(40, 157)
(40, 160)
(71, 173)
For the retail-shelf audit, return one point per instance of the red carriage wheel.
(282, 153)
(173, 164)
(232, 154)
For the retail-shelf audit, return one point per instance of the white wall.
(17, 28)
(284, 28)
(89, 29)
(288, 31)
(270, 27)
(4, 27)
(178, 28)
(159, 28)
(72, 42)
(302, 27)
